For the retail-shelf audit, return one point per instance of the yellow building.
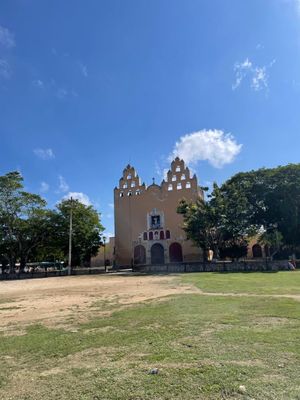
(105, 254)
(147, 226)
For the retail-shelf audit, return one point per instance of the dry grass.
(92, 338)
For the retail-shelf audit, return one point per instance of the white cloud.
(214, 146)
(38, 83)
(258, 76)
(111, 205)
(51, 86)
(44, 154)
(6, 38)
(165, 173)
(108, 235)
(44, 187)
(297, 4)
(83, 69)
(55, 52)
(5, 70)
(63, 186)
(293, 3)
(260, 79)
(161, 171)
(61, 93)
(81, 197)
(241, 70)
(158, 170)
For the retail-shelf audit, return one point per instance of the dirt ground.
(205, 347)
(53, 301)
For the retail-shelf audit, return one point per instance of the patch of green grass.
(283, 282)
(204, 347)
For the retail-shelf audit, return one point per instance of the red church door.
(175, 252)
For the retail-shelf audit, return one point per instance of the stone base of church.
(236, 266)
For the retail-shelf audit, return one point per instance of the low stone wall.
(50, 273)
(236, 266)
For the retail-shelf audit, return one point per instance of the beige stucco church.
(148, 229)
(147, 226)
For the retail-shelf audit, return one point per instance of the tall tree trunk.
(12, 262)
(22, 263)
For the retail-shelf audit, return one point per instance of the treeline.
(264, 204)
(31, 232)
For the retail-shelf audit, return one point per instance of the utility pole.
(104, 242)
(70, 238)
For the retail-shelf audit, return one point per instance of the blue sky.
(88, 86)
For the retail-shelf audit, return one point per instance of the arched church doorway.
(175, 252)
(157, 254)
(257, 251)
(139, 255)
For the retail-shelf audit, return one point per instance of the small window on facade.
(182, 177)
(150, 235)
(132, 184)
(121, 194)
(170, 187)
(145, 236)
(179, 186)
(188, 185)
(129, 193)
(161, 235)
(174, 178)
(168, 235)
(156, 236)
(177, 168)
(129, 176)
(125, 186)
(138, 192)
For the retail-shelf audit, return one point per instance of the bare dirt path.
(54, 301)
(228, 294)
(65, 301)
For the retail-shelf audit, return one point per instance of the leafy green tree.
(245, 204)
(19, 211)
(30, 232)
(38, 238)
(272, 198)
(231, 205)
(200, 225)
(50, 248)
(213, 224)
(86, 237)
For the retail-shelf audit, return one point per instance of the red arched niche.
(175, 252)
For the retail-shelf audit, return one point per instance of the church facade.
(148, 229)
